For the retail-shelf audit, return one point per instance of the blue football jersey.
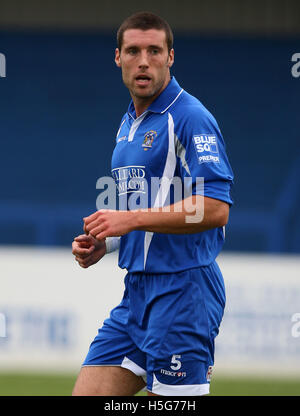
(175, 138)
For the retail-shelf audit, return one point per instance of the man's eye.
(154, 51)
(132, 51)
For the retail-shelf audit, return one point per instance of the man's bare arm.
(194, 214)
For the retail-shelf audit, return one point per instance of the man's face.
(145, 62)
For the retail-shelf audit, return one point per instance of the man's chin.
(143, 93)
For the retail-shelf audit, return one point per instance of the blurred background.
(61, 101)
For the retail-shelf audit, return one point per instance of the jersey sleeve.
(201, 153)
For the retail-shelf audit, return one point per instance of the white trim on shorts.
(126, 363)
(183, 390)
(136, 369)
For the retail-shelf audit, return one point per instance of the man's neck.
(142, 103)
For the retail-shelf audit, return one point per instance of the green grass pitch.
(15, 384)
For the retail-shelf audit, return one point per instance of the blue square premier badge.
(206, 147)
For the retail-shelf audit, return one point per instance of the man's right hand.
(87, 250)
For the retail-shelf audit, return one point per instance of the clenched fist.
(87, 250)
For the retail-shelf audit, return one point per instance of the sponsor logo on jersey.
(149, 137)
(129, 179)
(206, 147)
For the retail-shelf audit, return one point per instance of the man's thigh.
(107, 381)
(113, 366)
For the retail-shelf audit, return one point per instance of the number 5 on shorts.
(175, 361)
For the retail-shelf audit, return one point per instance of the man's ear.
(117, 58)
(171, 58)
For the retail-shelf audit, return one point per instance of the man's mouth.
(142, 80)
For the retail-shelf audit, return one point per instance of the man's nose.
(144, 62)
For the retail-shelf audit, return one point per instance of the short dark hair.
(145, 21)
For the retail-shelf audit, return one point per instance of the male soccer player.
(162, 333)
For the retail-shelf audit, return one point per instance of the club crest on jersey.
(149, 137)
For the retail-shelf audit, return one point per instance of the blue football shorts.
(164, 330)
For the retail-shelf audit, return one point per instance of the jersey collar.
(164, 101)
